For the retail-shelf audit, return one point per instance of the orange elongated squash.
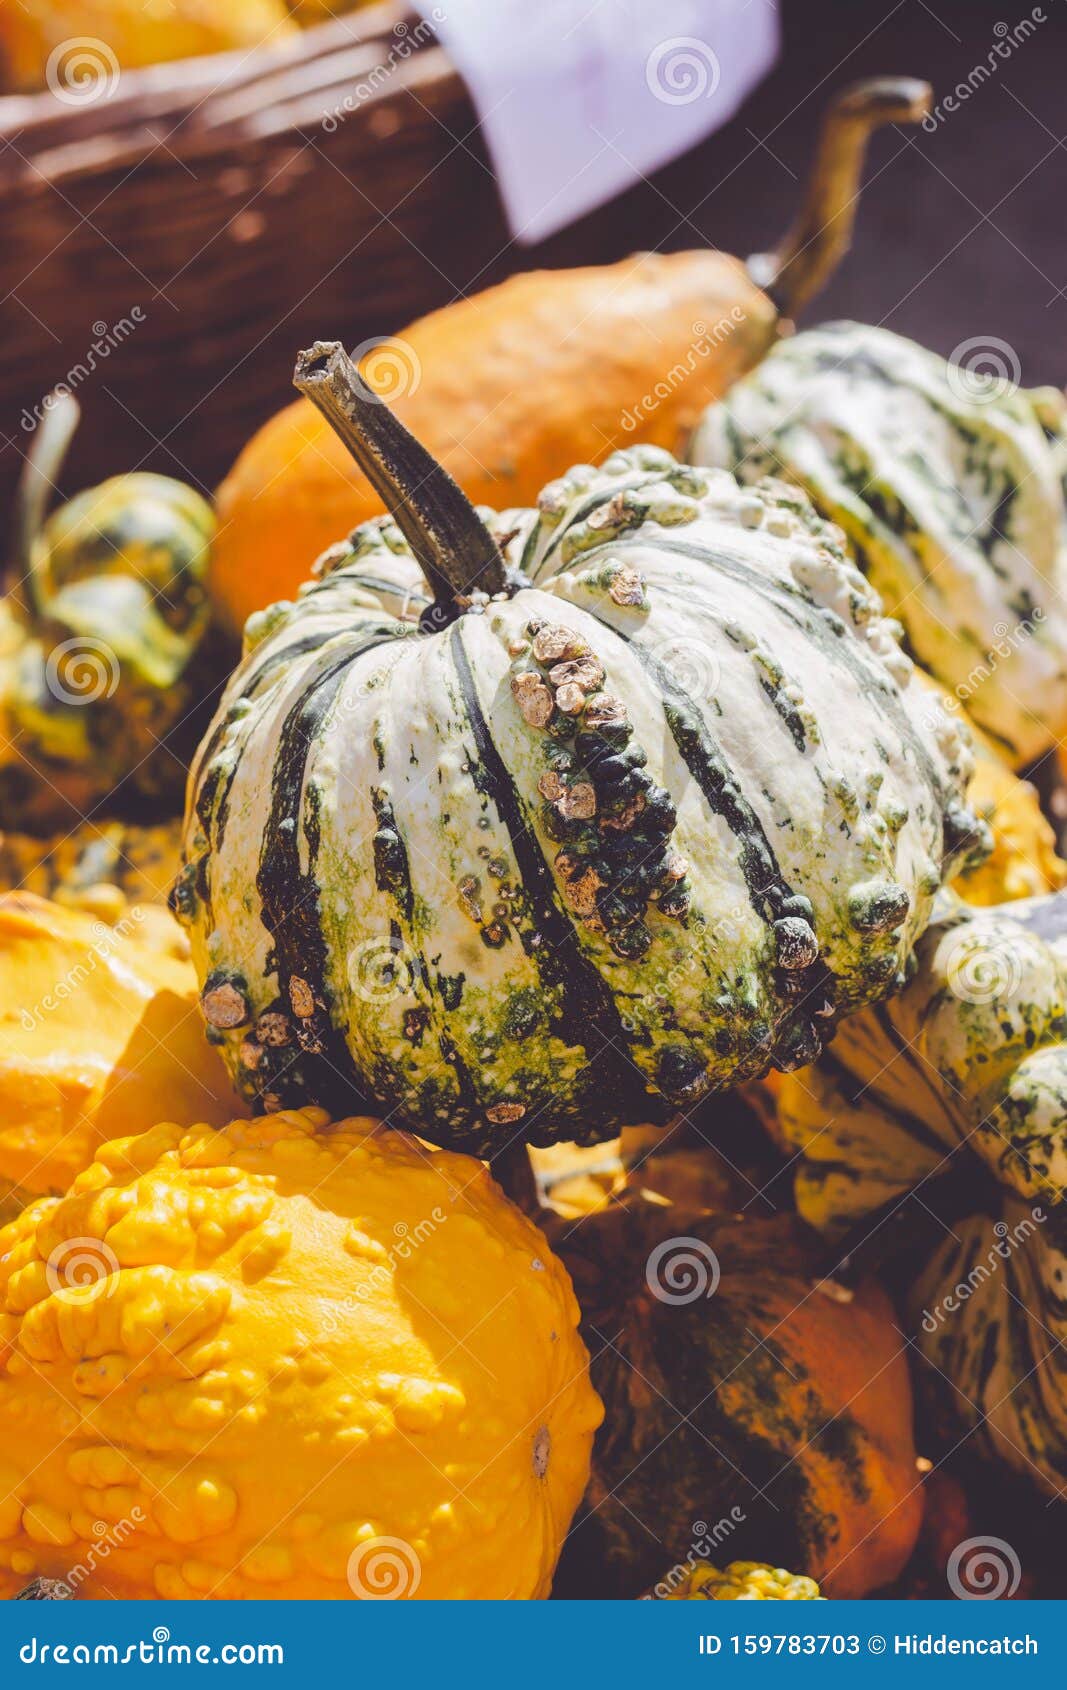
(512, 386)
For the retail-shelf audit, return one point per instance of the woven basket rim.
(213, 92)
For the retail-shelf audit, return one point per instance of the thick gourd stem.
(37, 484)
(513, 1172)
(454, 549)
(820, 237)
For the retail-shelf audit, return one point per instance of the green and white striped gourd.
(949, 486)
(962, 1079)
(620, 831)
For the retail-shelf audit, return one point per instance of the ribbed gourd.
(99, 638)
(644, 801)
(742, 1391)
(957, 1089)
(99, 1036)
(741, 1581)
(287, 1359)
(508, 386)
(949, 486)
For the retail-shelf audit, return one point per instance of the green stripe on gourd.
(626, 822)
(950, 488)
(962, 1079)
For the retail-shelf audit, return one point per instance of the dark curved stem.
(37, 484)
(820, 237)
(455, 550)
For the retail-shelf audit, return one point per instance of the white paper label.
(578, 99)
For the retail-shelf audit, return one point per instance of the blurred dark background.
(963, 232)
(239, 258)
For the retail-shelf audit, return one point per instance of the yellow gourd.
(71, 43)
(1023, 862)
(742, 1581)
(99, 1035)
(303, 1360)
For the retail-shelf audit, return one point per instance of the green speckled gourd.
(99, 637)
(639, 816)
(962, 1079)
(741, 1390)
(741, 1581)
(949, 485)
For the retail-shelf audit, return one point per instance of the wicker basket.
(204, 221)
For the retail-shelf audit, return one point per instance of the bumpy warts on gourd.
(962, 1081)
(741, 1581)
(640, 822)
(262, 1361)
(950, 488)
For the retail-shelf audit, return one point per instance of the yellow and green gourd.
(959, 1085)
(100, 634)
(742, 1581)
(645, 799)
(949, 486)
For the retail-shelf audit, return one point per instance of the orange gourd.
(512, 386)
(99, 1035)
(741, 1391)
(286, 1359)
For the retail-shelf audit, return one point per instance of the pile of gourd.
(516, 829)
